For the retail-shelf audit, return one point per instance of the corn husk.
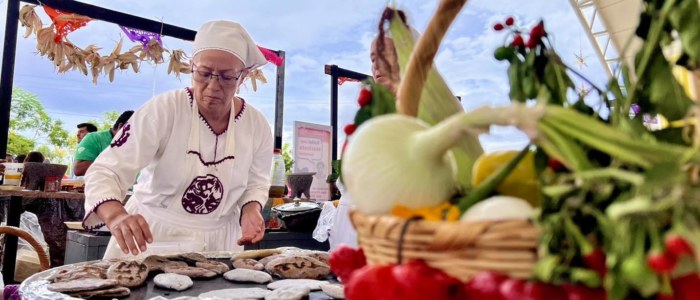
(179, 63)
(254, 76)
(30, 20)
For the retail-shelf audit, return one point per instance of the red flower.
(498, 27)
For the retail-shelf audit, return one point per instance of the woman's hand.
(252, 224)
(131, 231)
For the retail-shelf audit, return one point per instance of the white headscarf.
(230, 37)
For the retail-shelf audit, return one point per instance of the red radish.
(677, 246)
(517, 41)
(349, 129)
(661, 262)
(510, 21)
(365, 97)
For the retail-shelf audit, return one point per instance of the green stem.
(492, 181)
(649, 45)
(583, 244)
(631, 177)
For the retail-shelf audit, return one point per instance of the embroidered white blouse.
(190, 177)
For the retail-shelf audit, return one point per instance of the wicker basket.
(461, 249)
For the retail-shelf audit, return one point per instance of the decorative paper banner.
(65, 22)
(342, 80)
(271, 56)
(143, 37)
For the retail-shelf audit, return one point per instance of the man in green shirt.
(95, 142)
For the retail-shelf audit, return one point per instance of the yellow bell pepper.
(521, 183)
(442, 212)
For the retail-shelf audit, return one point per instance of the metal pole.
(334, 110)
(8, 72)
(279, 102)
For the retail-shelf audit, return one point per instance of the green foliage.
(287, 156)
(108, 119)
(30, 123)
(19, 145)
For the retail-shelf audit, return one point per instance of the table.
(14, 212)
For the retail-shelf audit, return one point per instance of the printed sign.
(312, 153)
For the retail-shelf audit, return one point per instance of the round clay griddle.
(35, 287)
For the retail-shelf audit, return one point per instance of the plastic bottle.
(278, 179)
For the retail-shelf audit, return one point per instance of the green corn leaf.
(437, 103)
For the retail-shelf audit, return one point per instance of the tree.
(30, 120)
(287, 156)
(107, 121)
(30, 125)
(19, 144)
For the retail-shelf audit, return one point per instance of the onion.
(498, 208)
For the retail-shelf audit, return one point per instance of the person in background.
(84, 129)
(34, 156)
(385, 71)
(20, 158)
(94, 143)
(9, 158)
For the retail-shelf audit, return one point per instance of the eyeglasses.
(226, 80)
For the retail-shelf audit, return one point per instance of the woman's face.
(385, 71)
(216, 77)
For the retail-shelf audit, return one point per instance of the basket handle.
(421, 60)
(43, 257)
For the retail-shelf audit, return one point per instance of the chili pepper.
(349, 129)
(517, 41)
(661, 262)
(512, 289)
(582, 292)
(519, 289)
(485, 286)
(686, 287)
(498, 27)
(372, 282)
(677, 246)
(365, 97)
(417, 280)
(510, 21)
(345, 260)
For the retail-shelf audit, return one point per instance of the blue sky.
(313, 33)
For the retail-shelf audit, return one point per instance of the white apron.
(199, 221)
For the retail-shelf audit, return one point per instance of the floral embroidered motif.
(123, 137)
(204, 195)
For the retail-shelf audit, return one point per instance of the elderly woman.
(204, 157)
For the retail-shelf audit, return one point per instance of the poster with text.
(312, 153)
